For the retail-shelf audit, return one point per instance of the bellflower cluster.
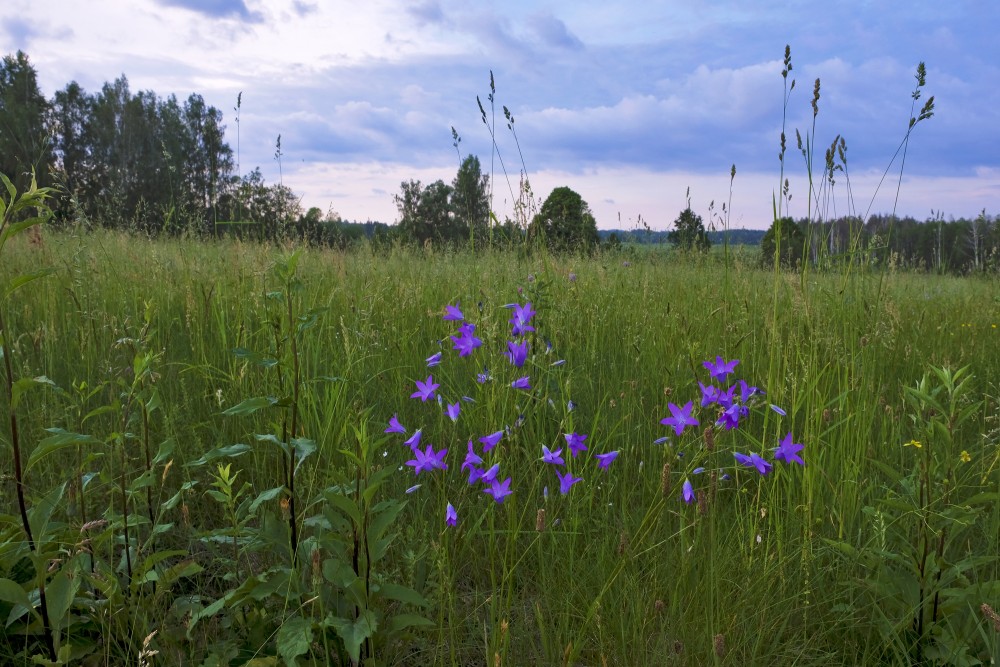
(731, 404)
(481, 463)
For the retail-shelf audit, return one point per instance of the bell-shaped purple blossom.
(484, 377)
(471, 458)
(720, 368)
(425, 389)
(452, 313)
(788, 451)
(490, 441)
(453, 411)
(576, 443)
(466, 341)
(778, 410)
(687, 492)
(520, 319)
(434, 359)
(522, 383)
(747, 391)
(517, 353)
(567, 481)
(395, 426)
(730, 417)
(490, 474)
(555, 458)
(450, 515)
(709, 394)
(428, 460)
(605, 460)
(753, 461)
(413, 442)
(681, 418)
(499, 490)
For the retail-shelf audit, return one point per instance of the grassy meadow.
(200, 407)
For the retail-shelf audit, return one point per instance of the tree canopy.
(785, 237)
(689, 232)
(565, 222)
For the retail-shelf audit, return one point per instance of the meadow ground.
(166, 355)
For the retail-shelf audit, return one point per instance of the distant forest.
(134, 160)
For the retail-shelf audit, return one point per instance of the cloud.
(553, 32)
(20, 32)
(303, 9)
(428, 12)
(216, 8)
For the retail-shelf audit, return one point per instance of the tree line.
(120, 158)
(135, 160)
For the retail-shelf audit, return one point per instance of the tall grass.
(620, 572)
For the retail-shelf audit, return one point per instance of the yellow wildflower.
(913, 443)
(964, 456)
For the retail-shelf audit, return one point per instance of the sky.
(641, 107)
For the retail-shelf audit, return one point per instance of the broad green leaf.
(383, 520)
(23, 385)
(220, 452)
(265, 496)
(20, 281)
(249, 406)
(294, 637)
(402, 594)
(41, 512)
(163, 453)
(354, 633)
(59, 596)
(303, 448)
(339, 573)
(182, 570)
(175, 499)
(402, 621)
(345, 505)
(12, 592)
(59, 439)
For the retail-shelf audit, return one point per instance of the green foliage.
(24, 146)
(689, 232)
(924, 572)
(470, 202)
(784, 239)
(565, 222)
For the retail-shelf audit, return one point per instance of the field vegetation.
(229, 452)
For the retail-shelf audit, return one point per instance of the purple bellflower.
(709, 394)
(453, 410)
(426, 389)
(605, 460)
(452, 313)
(720, 368)
(520, 320)
(681, 417)
(522, 383)
(517, 353)
(471, 458)
(567, 481)
(450, 515)
(490, 441)
(555, 458)
(788, 451)
(499, 490)
(413, 442)
(395, 426)
(465, 342)
(687, 492)
(434, 359)
(576, 443)
(428, 460)
(490, 475)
